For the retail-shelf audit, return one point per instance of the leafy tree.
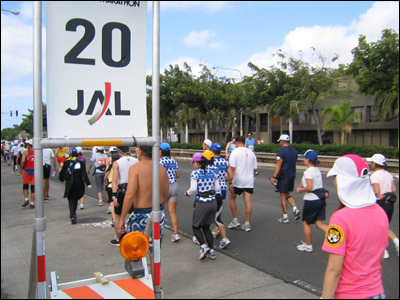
(342, 119)
(10, 134)
(27, 121)
(375, 67)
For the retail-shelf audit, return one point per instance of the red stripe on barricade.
(82, 292)
(136, 288)
(156, 231)
(157, 274)
(41, 268)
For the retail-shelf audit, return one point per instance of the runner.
(314, 209)
(172, 168)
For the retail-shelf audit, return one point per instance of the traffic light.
(10, 113)
(16, 113)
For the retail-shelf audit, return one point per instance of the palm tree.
(342, 119)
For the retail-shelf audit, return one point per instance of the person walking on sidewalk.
(108, 183)
(221, 166)
(241, 172)
(119, 187)
(204, 185)
(99, 161)
(356, 236)
(284, 176)
(230, 147)
(27, 168)
(48, 159)
(172, 168)
(83, 159)
(314, 209)
(385, 190)
(74, 174)
(139, 194)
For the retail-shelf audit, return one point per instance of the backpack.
(69, 172)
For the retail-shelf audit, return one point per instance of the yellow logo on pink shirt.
(334, 236)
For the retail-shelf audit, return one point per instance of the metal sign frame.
(38, 260)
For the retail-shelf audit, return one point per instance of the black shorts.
(239, 191)
(313, 211)
(46, 171)
(388, 208)
(286, 184)
(120, 198)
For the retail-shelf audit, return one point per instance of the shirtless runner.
(139, 193)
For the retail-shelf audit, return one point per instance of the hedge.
(328, 149)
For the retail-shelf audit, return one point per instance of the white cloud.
(198, 39)
(16, 49)
(330, 40)
(194, 63)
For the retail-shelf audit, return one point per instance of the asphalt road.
(271, 246)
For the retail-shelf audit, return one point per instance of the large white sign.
(96, 69)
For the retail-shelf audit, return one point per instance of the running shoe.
(100, 203)
(115, 242)
(224, 243)
(283, 220)
(305, 247)
(26, 203)
(32, 205)
(212, 255)
(175, 238)
(297, 214)
(204, 251)
(81, 206)
(73, 221)
(233, 224)
(246, 227)
(397, 249)
(386, 254)
(215, 233)
(194, 239)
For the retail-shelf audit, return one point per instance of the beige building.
(369, 131)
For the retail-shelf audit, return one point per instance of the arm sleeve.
(193, 187)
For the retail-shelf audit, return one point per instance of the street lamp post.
(14, 12)
(241, 111)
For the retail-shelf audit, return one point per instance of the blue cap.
(311, 155)
(165, 146)
(216, 147)
(73, 151)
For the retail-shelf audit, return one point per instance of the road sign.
(96, 72)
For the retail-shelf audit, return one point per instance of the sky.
(222, 35)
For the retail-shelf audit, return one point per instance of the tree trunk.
(186, 133)
(316, 118)
(206, 129)
(342, 137)
(291, 130)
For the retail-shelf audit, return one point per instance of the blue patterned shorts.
(381, 296)
(137, 222)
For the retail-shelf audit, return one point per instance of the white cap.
(353, 182)
(284, 137)
(78, 149)
(378, 159)
(29, 142)
(112, 148)
(207, 142)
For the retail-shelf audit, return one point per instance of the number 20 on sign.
(96, 78)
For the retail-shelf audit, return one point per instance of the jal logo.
(104, 101)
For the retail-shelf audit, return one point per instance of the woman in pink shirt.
(357, 235)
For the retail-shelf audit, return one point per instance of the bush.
(328, 149)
